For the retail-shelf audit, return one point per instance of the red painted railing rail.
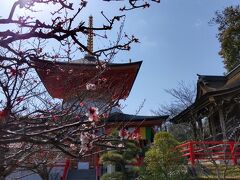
(211, 150)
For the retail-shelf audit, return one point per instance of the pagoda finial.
(90, 36)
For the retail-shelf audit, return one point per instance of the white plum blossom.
(91, 86)
(73, 147)
(86, 143)
(109, 143)
(120, 145)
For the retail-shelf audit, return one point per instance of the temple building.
(214, 119)
(215, 113)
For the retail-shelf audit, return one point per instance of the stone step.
(75, 174)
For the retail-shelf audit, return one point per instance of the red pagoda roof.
(65, 80)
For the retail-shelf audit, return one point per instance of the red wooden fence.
(211, 150)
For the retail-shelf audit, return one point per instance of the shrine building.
(214, 118)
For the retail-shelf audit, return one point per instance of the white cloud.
(198, 23)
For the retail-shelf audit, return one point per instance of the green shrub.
(163, 161)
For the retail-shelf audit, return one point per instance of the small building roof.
(133, 120)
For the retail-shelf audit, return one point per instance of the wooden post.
(210, 126)
(222, 123)
(97, 168)
(200, 126)
(212, 122)
(213, 125)
(191, 153)
(232, 150)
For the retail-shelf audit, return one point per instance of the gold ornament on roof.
(90, 36)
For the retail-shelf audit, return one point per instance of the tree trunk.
(44, 176)
(2, 177)
(44, 173)
(3, 150)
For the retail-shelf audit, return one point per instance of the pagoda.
(88, 79)
(97, 82)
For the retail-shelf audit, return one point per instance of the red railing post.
(191, 153)
(232, 150)
(65, 171)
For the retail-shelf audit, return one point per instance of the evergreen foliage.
(228, 22)
(121, 158)
(163, 161)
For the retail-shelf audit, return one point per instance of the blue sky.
(177, 43)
